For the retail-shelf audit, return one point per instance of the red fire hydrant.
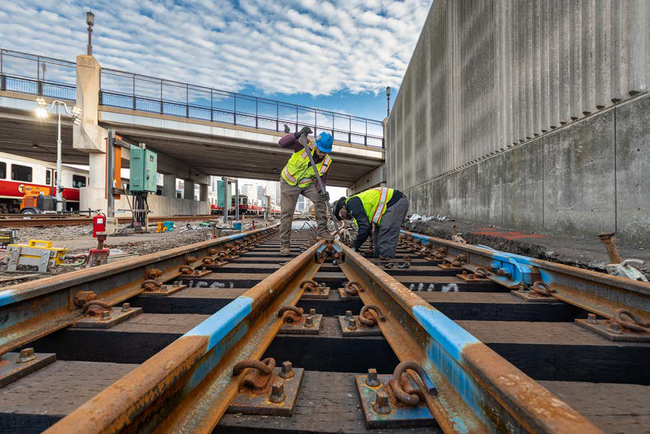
(99, 224)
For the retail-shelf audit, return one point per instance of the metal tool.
(305, 144)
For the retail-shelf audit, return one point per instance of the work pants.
(288, 202)
(386, 235)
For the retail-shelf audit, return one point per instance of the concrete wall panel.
(489, 194)
(579, 183)
(523, 187)
(633, 170)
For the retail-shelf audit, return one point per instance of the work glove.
(326, 195)
(304, 131)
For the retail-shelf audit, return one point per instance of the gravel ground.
(79, 239)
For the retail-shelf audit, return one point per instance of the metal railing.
(37, 75)
(155, 95)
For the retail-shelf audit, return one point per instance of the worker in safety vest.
(299, 177)
(382, 207)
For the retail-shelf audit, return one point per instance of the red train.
(245, 208)
(21, 175)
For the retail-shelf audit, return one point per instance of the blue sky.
(337, 55)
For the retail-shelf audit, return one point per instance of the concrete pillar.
(88, 136)
(169, 185)
(203, 195)
(188, 189)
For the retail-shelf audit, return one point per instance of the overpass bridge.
(197, 131)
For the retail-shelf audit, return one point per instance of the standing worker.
(298, 177)
(383, 207)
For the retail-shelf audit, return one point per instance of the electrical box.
(144, 170)
(223, 194)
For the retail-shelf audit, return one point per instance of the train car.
(21, 175)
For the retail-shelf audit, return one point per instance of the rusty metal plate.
(345, 296)
(11, 370)
(531, 296)
(247, 403)
(471, 278)
(360, 330)
(448, 266)
(163, 291)
(600, 327)
(301, 328)
(117, 316)
(197, 273)
(398, 417)
(325, 294)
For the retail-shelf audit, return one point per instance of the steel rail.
(187, 386)
(34, 309)
(478, 390)
(595, 292)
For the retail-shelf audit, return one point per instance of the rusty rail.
(34, 309)
(187, 386)
(595, 292)
(477, 390)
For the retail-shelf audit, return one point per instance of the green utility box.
(223, 194)
(143, 167)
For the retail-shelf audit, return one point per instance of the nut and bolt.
(352, 324)
(614, 328)
(106, 315)
(26, 355)
(381, 404)
(312, 311)
(277, 391)
(591, 318)
(348, 314)
(164, 288)
(286, 371)
(309, 321)
(176, 283)
(372, 380)
(126, 307)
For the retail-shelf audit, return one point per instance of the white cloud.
(294, 46)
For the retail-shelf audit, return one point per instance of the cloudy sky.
(338, 54)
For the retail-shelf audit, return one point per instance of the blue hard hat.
(324, 142)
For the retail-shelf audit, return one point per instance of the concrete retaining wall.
(528, 114)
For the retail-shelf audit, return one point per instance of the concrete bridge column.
(169, 185)
(203, 192)
(89, 136)
(188, 190)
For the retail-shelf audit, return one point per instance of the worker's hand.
(326, 195)
(303, 132)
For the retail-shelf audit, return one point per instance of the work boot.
(285, 251)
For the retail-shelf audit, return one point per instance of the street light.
(42, 111)
(90, 20)
(387, 101)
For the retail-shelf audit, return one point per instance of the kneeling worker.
(383, 207)
(299, 177)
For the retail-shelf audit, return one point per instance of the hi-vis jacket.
(374, 202)
(299, 172)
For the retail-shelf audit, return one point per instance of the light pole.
(42, 112)
(387, 101)
(90, 20)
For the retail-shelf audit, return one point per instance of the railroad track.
(370, 356)
(43, 220)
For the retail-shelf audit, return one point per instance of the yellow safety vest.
(374, 202)
(298, 171)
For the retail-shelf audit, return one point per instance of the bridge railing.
(155, 95)
(54, 78)
(38, 75)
